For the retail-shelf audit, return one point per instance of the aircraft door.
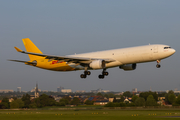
(155, 54)
(155, 49)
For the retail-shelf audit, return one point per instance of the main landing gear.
(158, 64)
(104, 73)
(85, 74)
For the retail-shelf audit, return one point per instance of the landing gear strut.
(104, 73)
(85, 74)
(158, 64)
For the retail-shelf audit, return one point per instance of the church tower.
(36, 91)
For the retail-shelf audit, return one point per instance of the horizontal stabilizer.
(19, 50)
(26, 62)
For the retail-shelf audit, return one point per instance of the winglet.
(19, 50)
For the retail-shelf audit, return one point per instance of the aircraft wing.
(65, 58)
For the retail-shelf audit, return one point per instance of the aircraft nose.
(173, 51)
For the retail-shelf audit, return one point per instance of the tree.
(134, 98)
(5, 104)
(167, 96)
(171, 92)
(18, 103)
(111, 95)
(121, 104)
(14, 98)
(26, 99)
(33, 105)
(64, 101)
(99, 94)
(106, 95)
(171, 98)
(127, 94)
(88, 102)
(146, 94)
(110, 104)
(36, 103)
(75, 101)
(151, 101)
(67, 98)
(114, 100)
(45, 100)
(121, 100)
(178, 100)
(140, 101)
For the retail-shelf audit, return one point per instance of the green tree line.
(144, 99)
(42, 101)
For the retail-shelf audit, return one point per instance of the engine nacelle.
(97, 64)
(34, 63)
(128, 67)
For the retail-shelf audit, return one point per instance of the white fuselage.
(131, 55)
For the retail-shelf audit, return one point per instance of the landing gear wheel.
(101, 76)
(83, 76)
(158, 65)
(87, 72)
(105, 73)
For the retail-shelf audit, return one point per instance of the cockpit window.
(167, 47)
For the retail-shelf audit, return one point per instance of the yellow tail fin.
(31, 47)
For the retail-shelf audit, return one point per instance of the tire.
(82, 75)
(105, 73)
(88, 73)
(158, 66)
(85, 76)
(101, 76)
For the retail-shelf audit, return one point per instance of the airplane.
(124, 58)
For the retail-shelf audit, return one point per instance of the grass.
(88, 114)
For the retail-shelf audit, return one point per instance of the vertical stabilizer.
(31, 47)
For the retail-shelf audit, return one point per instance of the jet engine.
(34, 63)
(97, 64)
(128, 67)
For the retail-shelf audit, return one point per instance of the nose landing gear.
(158, 64)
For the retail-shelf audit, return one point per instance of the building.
(36, 94)
(34, 89)
(80, 91)
(99, 90)
(103, 102)
(176, 91)
(119, 93)
(6, 91)
(44, 90)
(59, 89)
(134, 90)
(11, 99)
(126, 100)
(66, 90)
(19, 89)
(98, 100)
(111, 99)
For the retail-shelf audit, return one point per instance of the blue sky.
(66, 27)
